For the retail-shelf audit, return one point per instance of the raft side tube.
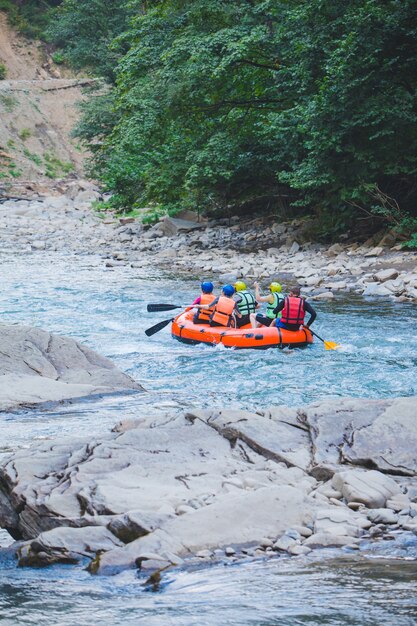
(184, 330)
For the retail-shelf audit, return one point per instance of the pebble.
(266, 543)
(204, 554)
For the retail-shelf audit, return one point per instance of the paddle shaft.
(315, 334)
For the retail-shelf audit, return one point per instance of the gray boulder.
(369, 487)
(171, 226)
(37, 366)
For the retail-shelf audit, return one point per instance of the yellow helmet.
(240, 285)
(275, 287)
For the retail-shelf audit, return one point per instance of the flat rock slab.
(333, 422)
(239, 519)
(276, 435)
(164, 489)
(37, 366)
(389, 443)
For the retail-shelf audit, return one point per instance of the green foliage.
(58, 57)
(248, 104)
(98, 118)
(25, 133)
(33, 157)
(84, 30)
(30, 17)
(14, 171)
(55, 168)
(8, 102)
(412, 241)
(3, 71)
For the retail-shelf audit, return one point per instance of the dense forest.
(287, 106)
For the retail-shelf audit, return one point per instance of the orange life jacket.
(293, 311)
(203, 315)
(223, 311)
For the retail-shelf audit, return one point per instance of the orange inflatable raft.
(184, 329)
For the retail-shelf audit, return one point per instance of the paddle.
(152, 308)
(155, 329)
(329, 345)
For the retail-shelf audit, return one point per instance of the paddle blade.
(331, 345)
(152, 308)
(155, 329)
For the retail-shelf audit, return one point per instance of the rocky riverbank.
(208, 485)
(37, 367)
(224, 250)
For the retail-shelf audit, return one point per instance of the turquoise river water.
(106, 309)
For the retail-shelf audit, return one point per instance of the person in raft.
(273, 299)
(202, 316)
(293, 307)
(224, 308)
(246, 303)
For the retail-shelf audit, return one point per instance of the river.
(106, 309)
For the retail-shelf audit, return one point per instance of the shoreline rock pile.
(210, 485)
(221, 249)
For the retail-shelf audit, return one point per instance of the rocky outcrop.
(37, 366)
(224, 482)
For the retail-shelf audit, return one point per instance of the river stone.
(398, 502)
(303, 531)
(376, 289)
(339, 522)
(36, 366)
(204, 554)
(80, 540)
(297, 550)
(328, 540)
(372, 488)
(377, 251)
(285, 542)
(382, 516)
(384, 275)
(325, 295)
(171, 226)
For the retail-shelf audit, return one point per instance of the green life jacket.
(270, 308)
(247, 303)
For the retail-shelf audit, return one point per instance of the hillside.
(38, 108)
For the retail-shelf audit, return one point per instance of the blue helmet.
(207, 287)
(228, 290)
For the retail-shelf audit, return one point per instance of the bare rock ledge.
(37, 367)
(156, 492)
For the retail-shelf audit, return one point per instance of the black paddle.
(152, 308)
(155, 329)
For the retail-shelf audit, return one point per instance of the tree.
(235, 104)
(85, 30)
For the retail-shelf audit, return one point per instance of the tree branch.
(274, 68)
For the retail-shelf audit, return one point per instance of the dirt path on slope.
(38, 110)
